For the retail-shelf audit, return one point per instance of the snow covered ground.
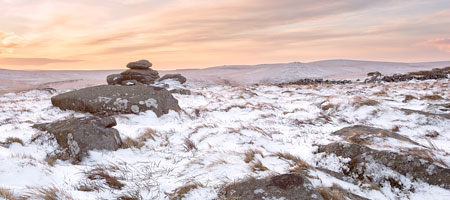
(225, 134)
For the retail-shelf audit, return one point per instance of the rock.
(376, 74)
(364, 134)
(177, 77)
(141, 64)
(181, 91)
(365, 165)
(285, 186)
(129, 82)
(76, 136)
(114, 79)
(112, 99)
(428, 114)
(147, 76)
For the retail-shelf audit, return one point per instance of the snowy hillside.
(226, 134)
(235, 75)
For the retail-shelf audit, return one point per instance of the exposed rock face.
(141, 64)
(112, 99)
(177, 77)
(362, 134)
(145, 76)
(285, 186)
(114, 79)
(138, 71)
(77, 136)
(367, 163)
(181, 91)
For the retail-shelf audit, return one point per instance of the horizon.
(174, 69)
(181, 34)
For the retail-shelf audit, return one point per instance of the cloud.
(8, 40)
(32, 61)
(442, 43)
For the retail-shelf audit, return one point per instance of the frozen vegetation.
(226, 134)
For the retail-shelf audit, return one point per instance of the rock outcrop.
(368, 164)
(177, 77)
(364, 134)
(110, 99)
(285, 186)
(77, 136)
(138, 71)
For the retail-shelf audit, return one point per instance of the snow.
(225, 122)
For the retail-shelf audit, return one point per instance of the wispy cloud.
(32, 61)
(443, 44)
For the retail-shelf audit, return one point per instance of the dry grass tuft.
(130, 143)
(432, 97)
(396, 128)
(258, 166)
(51, 160)
(360, 101)
(331, 193)
(148, 134)
(11, 140)
(432, 134)
(133, 195)
(49, 193)
(101, 174)
(181, 192)
(250, 155)
(6, 194)
(299, 165)
(408, 98)
(189, 145)
(336, 192)
(330, 106)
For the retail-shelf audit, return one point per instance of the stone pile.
(139, 72)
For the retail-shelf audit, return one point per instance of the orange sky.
(107, 34)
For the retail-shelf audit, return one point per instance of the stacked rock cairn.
(139, 72)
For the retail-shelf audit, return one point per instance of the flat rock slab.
(112, 99)
(363, 159)
(76, 136)
(285, 186)
(141, 64)
(361, 134)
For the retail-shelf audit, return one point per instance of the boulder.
(76, 136)
(364, 134)
(285, 186)
(110, 99)
(147, 76)
(114, 79)
(367, 164)
(177, 77)
(181, 91)
(141, 64)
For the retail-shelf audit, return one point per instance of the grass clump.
(49, 193)
(432, 97)
(258, 166)
(101, 174)
(130, 143)
(359, 102)
(250, 155)
(181, 192)
(11, 140)
(6, 194)
(189, 145)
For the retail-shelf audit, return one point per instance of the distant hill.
(13, 80)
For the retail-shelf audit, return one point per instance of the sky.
(176, 34)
